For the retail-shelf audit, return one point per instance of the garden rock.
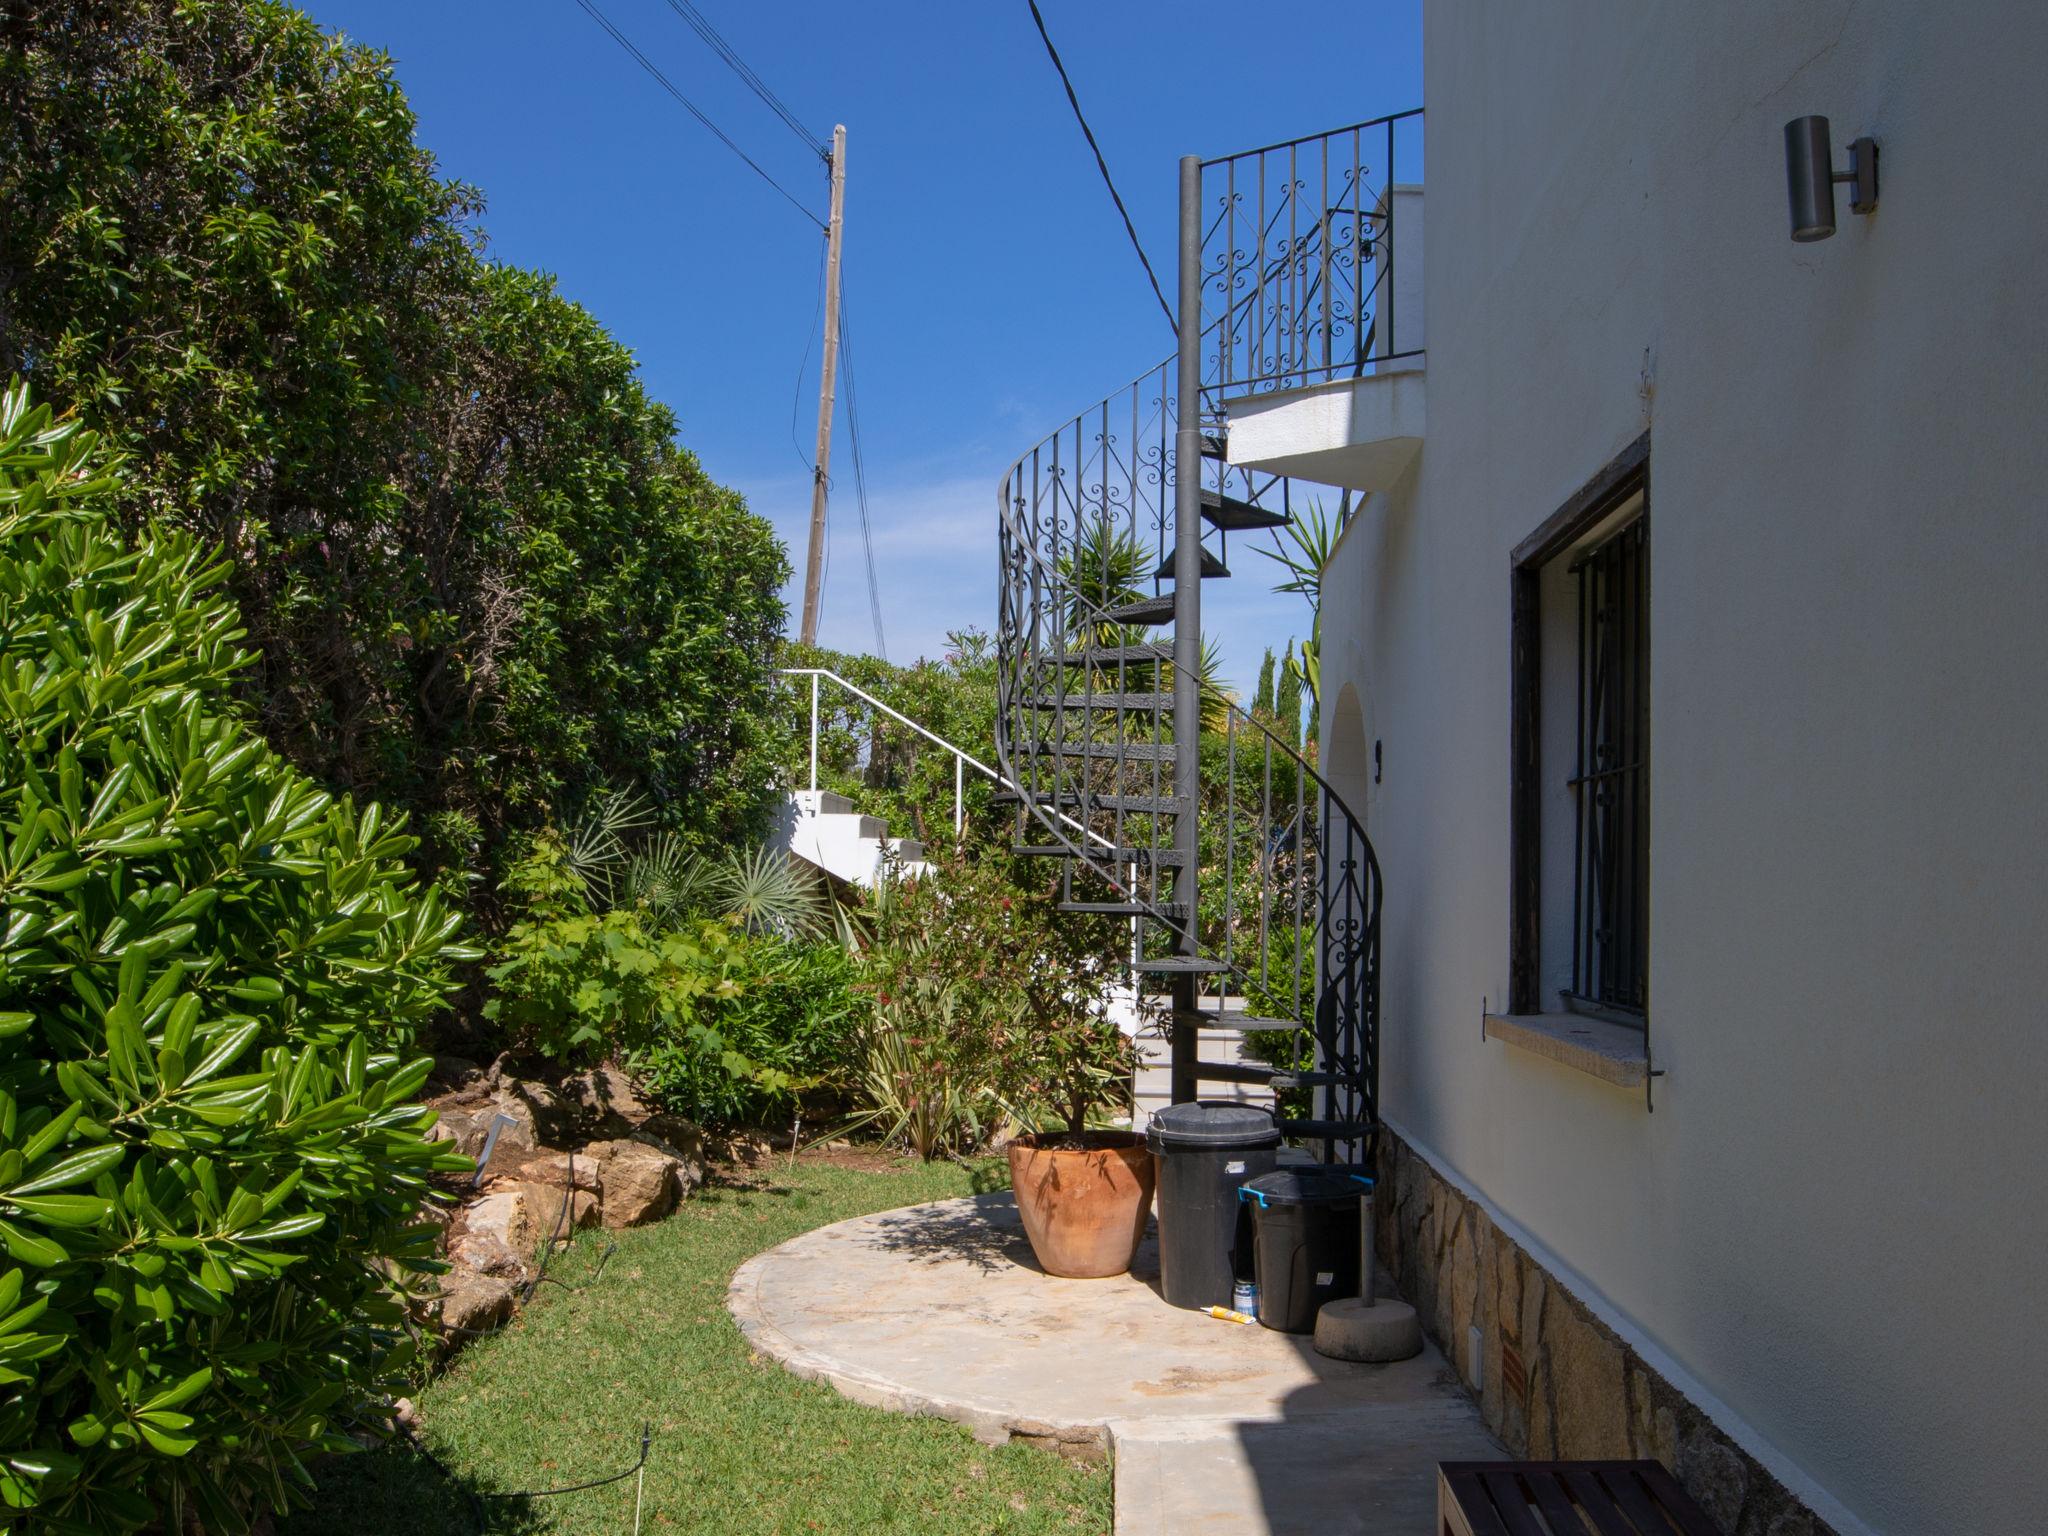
(557, 1169)
(641, 1182)
(606, 1102)
(465, 1119)
(544, 1216)
(492, 1233)
(473, 1303)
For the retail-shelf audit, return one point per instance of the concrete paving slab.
(1365, 1471)
(940, 1309)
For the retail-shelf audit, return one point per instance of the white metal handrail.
(962, 761)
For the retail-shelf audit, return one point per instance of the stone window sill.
(1614, 1053)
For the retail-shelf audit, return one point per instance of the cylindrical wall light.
(1810, 177)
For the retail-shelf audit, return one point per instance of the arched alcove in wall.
(1347, 755)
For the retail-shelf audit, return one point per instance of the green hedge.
(208, 974)
(480, 576)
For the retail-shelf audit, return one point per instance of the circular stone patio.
(940, 1309)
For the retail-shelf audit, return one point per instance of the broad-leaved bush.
(210, 969)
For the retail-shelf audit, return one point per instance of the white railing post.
(961, 760)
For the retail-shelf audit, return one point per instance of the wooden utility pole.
(827, 376)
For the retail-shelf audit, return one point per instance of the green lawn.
(740, 1446)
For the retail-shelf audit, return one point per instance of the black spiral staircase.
(1252, 889)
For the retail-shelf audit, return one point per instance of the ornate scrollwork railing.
(1298, 256)
(1283, 904)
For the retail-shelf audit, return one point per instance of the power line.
(591, 10)
(796, 390)
(1103, 166)
(860, 478)
(739, 66)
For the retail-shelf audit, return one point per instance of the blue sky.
(990, 289)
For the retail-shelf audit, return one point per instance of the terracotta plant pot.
(1084, 1204)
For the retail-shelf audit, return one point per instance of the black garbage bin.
(1305, 1241)
(1203, 1152)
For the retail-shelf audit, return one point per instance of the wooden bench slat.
(1510, 1502)
(1676, 1503)
(1626, 1484)
(1566, 1498)
(1475, 1508)
(1593, 1499)
(1556, 1504)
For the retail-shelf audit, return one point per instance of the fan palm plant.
(767, 891)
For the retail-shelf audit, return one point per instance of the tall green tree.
(479, 575)
(1287, 703)
(1262, 696)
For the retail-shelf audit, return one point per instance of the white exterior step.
(823, 828)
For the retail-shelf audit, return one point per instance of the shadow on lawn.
(395, 1492)
(986, 1234)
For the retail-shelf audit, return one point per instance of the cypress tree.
(1287, 703)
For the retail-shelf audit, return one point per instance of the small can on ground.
(1244, 1297)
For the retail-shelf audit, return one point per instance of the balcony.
(1312, 262)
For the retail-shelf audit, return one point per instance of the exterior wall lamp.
(1810, 177)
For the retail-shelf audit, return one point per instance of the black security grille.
(1610, 782)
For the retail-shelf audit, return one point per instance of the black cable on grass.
(475, 1499)
(646, 1439)
(525, 1295)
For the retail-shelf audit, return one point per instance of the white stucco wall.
(1836, 1221)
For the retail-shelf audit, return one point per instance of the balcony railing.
(1297, 258)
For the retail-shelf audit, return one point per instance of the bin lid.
(1207, 1127)
(1305, 1186)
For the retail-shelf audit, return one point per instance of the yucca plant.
(917, 1095)
(1310, 540)
(1102, 566)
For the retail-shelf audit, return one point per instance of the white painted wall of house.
(1836, 1220)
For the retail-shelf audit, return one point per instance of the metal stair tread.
(1234, 1023)
(1145, 610)
(1117, 751)
(1079, 698)
(1211, 567)
(1143, 805)
(1288, 1077)
(1162, 909)
(1328, 1130)
(1255, 1072)
(1146, 651)
(1118, 855)
(1232, 514)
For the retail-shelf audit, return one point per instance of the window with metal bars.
(1609, 779)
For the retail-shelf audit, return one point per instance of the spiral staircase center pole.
(1187, 622)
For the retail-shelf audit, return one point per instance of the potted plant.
(990, 1006)
(1084, 1194)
